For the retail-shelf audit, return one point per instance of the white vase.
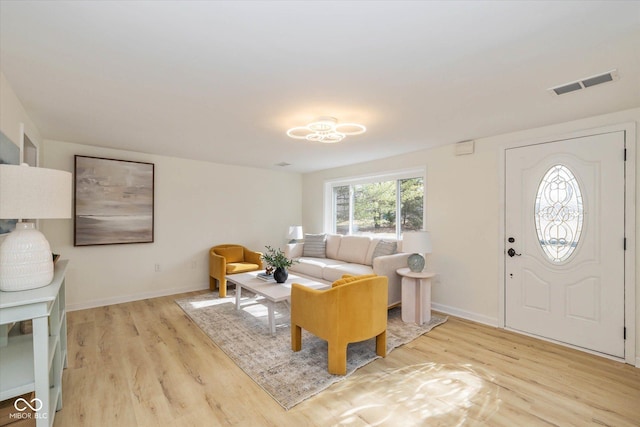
(25, 259)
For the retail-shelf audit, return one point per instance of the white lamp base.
(25, 259)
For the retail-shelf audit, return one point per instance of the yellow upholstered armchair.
(353, 310)
(230, 259)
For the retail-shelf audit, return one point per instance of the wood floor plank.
(149, 403)
(145, 363)
(81, 348)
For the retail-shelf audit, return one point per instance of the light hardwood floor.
(146, 364)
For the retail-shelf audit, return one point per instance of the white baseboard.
(638, 362)
(134, 297)
(491, 321)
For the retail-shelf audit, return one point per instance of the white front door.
(564, 248)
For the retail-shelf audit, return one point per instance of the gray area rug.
(289, 377)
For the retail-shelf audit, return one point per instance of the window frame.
(330, 184)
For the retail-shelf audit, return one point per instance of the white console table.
(416, 295)
(34, 362)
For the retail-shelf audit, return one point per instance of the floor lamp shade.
(416, 243)
(26, 261)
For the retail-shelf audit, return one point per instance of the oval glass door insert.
(559, 213)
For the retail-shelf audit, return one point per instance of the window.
(559, 213)
(384, 206)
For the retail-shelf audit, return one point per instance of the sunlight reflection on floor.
(437, 394)
(209, 302)
(249, 303)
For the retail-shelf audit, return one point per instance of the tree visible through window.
(412, 208)
(386, 207)
(341, 196)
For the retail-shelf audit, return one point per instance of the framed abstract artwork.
(114, 201)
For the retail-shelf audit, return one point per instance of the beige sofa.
(350, 255)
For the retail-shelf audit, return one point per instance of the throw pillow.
(384, 248)
(314, 245)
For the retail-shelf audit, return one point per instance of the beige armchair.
(353, 310)
(230, 259)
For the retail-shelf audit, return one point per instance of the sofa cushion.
(333, 245)
(331, 273)
(354, 249)
(372, 246)
(231, 253)
(384, 247)
(313, 266)
(293, 250)
(241, 267)
(314, 245)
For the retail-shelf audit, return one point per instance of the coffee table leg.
(272, 318)
(238, 294)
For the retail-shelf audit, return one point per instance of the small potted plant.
(276, 259)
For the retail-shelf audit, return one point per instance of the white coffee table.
(271, 291)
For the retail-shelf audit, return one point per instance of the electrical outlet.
(157, 267)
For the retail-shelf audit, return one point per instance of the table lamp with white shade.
(295, 233)
(27, 192)
(416, 243)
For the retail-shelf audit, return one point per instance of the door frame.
(630, 230)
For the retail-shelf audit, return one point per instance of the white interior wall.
(463, 214)
(197, 205)
(13, 115)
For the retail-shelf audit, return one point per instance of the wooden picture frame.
(114, 201)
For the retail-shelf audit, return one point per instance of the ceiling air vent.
(609, 76)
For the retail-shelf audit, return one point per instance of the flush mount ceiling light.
(326, 130)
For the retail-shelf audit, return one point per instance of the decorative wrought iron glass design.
(559, 213)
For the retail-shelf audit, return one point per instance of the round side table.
(416, 295)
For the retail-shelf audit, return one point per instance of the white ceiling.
(223, 81)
